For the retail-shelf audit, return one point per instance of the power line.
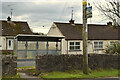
(63, 10)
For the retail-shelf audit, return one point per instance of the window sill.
(74, 50)
(98, 49)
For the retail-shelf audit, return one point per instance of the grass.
(12, 77)
(25, 67)
(79, 74)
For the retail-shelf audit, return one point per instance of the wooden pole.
(37, 47)
(26, 49)
(61, 47)
(85, 37)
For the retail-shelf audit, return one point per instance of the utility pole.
(85, 38)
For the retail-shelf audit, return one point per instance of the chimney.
(71, 21)
(9, 19)
(109, 23)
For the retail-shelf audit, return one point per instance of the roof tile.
(95, 31)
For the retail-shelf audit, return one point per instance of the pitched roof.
(95, 31)
(14, 28)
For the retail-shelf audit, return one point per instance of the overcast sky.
(39, 13)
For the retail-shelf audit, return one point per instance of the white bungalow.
(99, 36)
(9, 29)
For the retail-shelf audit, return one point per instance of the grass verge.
(79, 74)
(12, 77)
(25, 67)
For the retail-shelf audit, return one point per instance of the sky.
(39, 13)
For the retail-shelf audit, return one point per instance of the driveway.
(25, 63)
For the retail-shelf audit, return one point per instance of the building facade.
(9, 30)
(99, 37)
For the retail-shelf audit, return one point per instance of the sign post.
(89, 12)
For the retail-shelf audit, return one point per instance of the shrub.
(7, 52)
(113, 49)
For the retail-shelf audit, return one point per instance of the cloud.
(38, 13)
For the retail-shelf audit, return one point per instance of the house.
(9, 30)
(99, 36)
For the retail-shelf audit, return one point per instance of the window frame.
(98, 45)
(75, 45)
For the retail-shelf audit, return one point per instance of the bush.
(7, 52)
(113, 49)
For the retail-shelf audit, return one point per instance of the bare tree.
(111, 10)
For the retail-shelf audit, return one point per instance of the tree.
(111, 10)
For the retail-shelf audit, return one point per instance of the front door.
(9, 44)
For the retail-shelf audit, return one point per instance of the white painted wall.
(64, 46)
(54, 31)
(105, 44)
(0, 43)
(3, 42)
(90, 46)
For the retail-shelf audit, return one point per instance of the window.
(74, 46)
(98, 45)
(114, 42)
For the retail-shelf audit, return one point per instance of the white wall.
(0, 43)
(105, 44)
(54, 31)
(64, 46)
(90, 46)
(3, 42)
